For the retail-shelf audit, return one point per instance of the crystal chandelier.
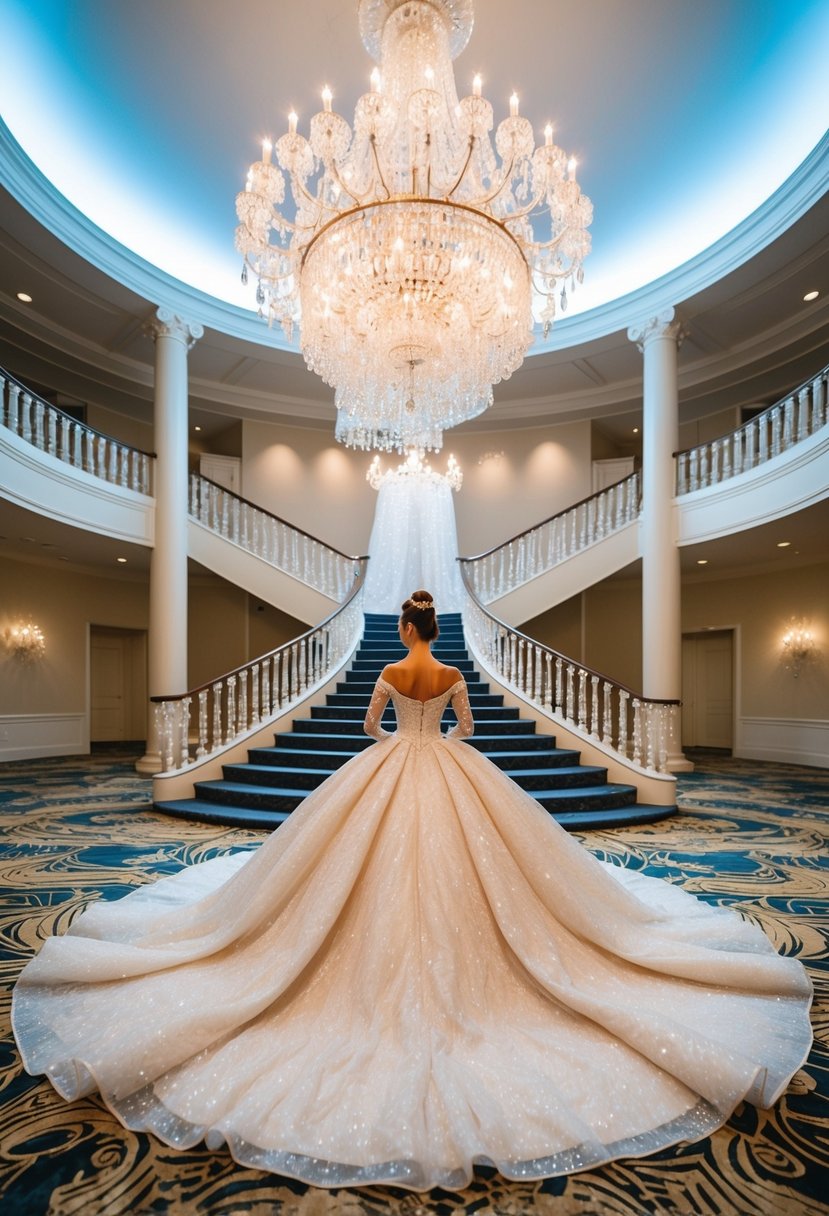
(415, 468)
(407, 253)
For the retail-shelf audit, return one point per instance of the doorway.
(117, 684)
(708, 689)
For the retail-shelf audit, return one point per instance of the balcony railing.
(776, 430)
(51, 430)
(636, 728)
(251, 695)
(514, 562)
(270, 538)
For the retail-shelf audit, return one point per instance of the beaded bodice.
(419, 721)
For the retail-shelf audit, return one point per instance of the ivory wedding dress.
(420, 970)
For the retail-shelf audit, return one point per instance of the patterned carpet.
(748, 835)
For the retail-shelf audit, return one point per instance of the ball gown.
(419, 971)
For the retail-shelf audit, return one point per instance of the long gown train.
(420, 970)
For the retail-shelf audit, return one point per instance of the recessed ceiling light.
(636, 430)
(24, 297)
(122, 560)
(702, 561)
(783, 544)
(196, 428)
(811, 295)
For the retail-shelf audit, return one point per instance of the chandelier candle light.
(415, 468)
(408, 256)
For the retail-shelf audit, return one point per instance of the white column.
(167, 643)
(659, 339)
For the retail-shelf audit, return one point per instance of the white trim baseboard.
(784, 740)
(27, 736)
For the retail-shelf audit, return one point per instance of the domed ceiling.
(684, 118)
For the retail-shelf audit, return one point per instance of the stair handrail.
(52, 430)
(516, 561)
(776, 429)
(636, 728)
(263, 688)
(277, 541)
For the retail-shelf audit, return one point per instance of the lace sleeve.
(465, 724)
(379, 701)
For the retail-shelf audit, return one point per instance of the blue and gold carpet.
(749, 835)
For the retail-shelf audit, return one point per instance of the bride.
(419, 971)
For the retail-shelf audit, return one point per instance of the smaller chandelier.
(408, 252)
(415, 468)
(25, 641)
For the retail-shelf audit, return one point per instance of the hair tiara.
(423, 604)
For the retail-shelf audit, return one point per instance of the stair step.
(263, 792)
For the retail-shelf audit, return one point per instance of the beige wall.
(226, 628)
(512, 479)
(760, 605)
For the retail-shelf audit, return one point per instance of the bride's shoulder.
(452, 676)
(389, 675)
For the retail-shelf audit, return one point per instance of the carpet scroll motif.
(752, 836)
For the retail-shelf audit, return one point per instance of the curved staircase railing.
(52, 431)
(773, 431)
(245, 698)
(270, 538)
(636, 728)
(535, 550)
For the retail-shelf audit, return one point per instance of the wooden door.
(707, 689)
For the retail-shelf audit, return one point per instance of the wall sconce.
(25, 641)
(798, 646)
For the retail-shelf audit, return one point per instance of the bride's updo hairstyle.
(418, 610)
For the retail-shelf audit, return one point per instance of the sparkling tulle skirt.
(417, 972)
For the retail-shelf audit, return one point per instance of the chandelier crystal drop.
(407, 253)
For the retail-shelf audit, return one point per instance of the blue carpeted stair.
(262, 792)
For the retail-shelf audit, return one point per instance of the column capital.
(665, 324)
(167, 324)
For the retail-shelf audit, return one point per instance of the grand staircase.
(262, 792)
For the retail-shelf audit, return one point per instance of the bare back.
(421, 677)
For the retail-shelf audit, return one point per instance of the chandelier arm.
(522, 211)
(462, 173)
(377, 165)
(359, 200)
(505, 180)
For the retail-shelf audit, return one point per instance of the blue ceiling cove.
(684, 117)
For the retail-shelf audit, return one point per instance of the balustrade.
(58, 434)
(634, 727)
(523, 557)
(762, 438)
(277, 542)
(266, 687)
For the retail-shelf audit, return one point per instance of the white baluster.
(201, 749)
(267, 705)
(26, 417)
(682, 473)
(607, 717)
(65, 453)
(637, 731)
(112, 472)
(184, 732)
(803, 411)
(217, 716)
(594, 706)
(242, 720)
(194, 496)
(548, 697)
(776, 431)
(230, 713)
(693, 474)
(763, 438)
(582, 704)
(255, 714)
(559, 685)
(52, 426)
(622, 743)
(570, 693)
(788, 423)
